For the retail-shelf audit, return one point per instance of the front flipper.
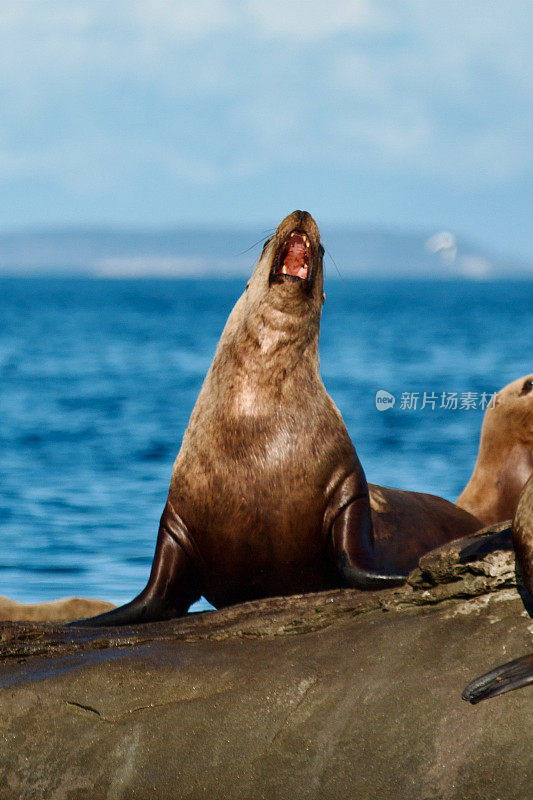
(173, 584)
(353, 546)
(506, 678)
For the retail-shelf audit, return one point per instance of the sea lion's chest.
(253, 491)
(256, 471)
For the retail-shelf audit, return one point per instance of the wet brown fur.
(266, 447)
(523, 535)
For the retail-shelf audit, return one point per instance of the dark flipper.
(172, 587)
(359, 578)
(501, 540)
(352, 539)
(512, 675)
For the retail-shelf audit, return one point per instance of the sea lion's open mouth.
(293, 260)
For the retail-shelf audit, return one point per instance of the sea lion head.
(511, 414)
(269, 345)
(288, 276)
(505, 457)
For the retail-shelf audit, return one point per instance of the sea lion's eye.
(267, 242)
(527, 387)
(321, 250)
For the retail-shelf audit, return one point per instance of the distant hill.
(182, 252)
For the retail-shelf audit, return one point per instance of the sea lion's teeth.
(284, 270)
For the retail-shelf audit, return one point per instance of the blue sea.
(99, 377)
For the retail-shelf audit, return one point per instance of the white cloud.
(220, 89)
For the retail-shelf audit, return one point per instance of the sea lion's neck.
(266, 355)
(276, 342)
(501, 470)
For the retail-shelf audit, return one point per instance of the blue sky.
(401, 113)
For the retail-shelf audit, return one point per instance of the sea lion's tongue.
(294, 258)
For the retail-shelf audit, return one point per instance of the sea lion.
(267, 495)
(505, 458)
(519, 672)
(67, 608)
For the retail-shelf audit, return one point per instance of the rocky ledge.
(337, 695)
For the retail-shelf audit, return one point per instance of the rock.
(64, 610)
(335, 695)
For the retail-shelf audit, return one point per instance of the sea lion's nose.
(307, 223)
(299, 221)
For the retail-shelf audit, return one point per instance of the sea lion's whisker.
(259, 241)
(333, 260)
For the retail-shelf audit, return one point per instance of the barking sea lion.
(505, 458)
(267, 495)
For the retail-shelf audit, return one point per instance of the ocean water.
(98, 379)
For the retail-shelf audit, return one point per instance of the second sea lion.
(505, 458)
